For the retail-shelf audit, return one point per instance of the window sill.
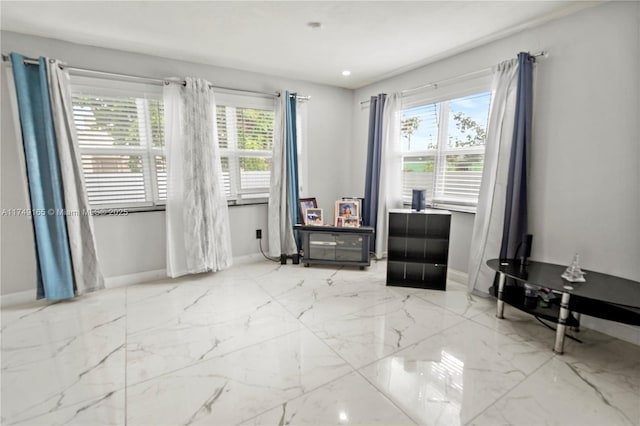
(450, 207)
(456, 208)
(256, 201)
(125, 211)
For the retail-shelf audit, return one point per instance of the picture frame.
(313, 217)
(347, 213)
(351, 222)
(303, 205)
(362, 211)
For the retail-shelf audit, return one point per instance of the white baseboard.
(626, 332)
(248, 258)
(29, 296)
(19, 298)
(158, 274)
(137, 278)
(458, 276)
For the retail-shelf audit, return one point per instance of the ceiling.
(373, 40)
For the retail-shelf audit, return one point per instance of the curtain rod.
(148, 79)
(458, 77)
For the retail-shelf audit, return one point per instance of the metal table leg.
(576, 315)
(500, 306)
(562, 321)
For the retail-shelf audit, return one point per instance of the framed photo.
(348, 211)
(362, 211)
(351, 222)
(303, 205)
(313, 217)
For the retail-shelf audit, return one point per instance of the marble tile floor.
(262, 343)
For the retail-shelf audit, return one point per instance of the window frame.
(96, 86)
(442, 95)
(99, 86)
(238, 195)
(92, 86)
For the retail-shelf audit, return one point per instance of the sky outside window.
(467, 123)
(425, 135)
(474, 112)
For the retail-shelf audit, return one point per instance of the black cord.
(273, 259)
(551, 328)
(515, 255)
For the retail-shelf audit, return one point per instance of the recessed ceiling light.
(314, 25)
(346, 73)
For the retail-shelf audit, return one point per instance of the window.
(443, 150)
(245, 136)
(121, 139)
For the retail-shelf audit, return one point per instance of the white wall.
(17, 258)
(585, 155)
(461, 229)
(135, 244)
(585, 159)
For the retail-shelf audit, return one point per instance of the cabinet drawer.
(354, 241)
(352, 255)
(322, 239)
(321, 252)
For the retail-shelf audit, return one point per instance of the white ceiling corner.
(372, 39)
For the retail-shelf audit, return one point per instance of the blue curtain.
(374, 158)
(55, 276)
(292, 158)
(516, 216)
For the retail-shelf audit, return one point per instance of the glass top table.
(610, 292)
(598, 286)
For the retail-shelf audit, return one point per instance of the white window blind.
(245, 136)
(121, 140)
(443, 150)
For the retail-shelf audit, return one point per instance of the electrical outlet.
(258, 234)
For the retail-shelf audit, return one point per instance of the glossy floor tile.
(62, 354)
(228, 389)
(264, 343)
(453, 376)
(372, 333)
(347, 400)
(559, 393)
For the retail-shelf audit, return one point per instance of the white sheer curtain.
(198, 238)
(487, 229)
(389, 197)
(84, 257)
(281, 238)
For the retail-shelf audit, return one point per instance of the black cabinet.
(418, 248)
(333, 245)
